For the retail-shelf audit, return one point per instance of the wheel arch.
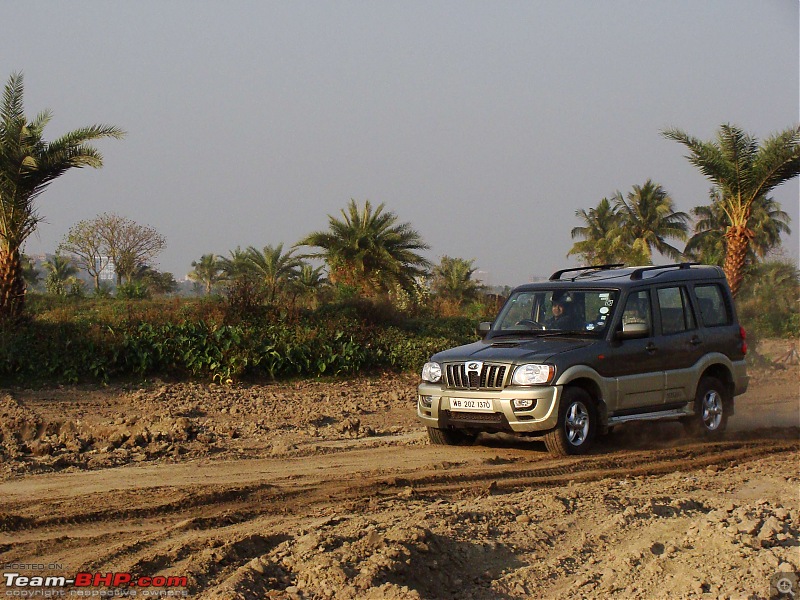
(592, 387)
(723, 374)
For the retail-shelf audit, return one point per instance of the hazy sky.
(486, 125)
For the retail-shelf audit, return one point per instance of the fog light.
(523, 404)
(426, 401)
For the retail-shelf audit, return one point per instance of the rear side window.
(711, 302)
(676, 313)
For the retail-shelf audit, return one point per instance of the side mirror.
(633, 331)
(483, 328)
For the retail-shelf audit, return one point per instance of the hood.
(516, 351)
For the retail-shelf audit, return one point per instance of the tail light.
(743, 335)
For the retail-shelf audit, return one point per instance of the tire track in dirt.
(213, 531)
(296, 493)
(187, 501)
(586, 469)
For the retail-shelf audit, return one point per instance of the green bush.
(65, 352)
(104, 291)
(97, 339)
(134, 290)
(768, 301)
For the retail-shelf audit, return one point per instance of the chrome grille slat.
(491, 377)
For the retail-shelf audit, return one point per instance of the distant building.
(109, 271)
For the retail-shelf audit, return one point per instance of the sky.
(484, 124)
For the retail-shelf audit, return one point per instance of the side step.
(649, 416)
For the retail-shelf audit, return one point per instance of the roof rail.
(557, 275)
(637, 274)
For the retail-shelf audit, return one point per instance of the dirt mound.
(94, 428)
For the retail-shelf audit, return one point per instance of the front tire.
(577, 424)
(450, 437)
(711, 408)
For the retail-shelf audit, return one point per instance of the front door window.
(637, 311)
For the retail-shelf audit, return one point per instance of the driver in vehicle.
(562, 317)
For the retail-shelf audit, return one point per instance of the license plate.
(471, 405)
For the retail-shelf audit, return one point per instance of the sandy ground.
(329, 489)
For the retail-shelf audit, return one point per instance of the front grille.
(454, 416)
(490, 377)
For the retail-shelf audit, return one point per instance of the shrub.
(74, 339)
(104, 291)
(134, 290)
(768, 301)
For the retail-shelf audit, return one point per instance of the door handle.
(651, 348)
(695, 341)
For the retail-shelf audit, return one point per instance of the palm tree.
(273, 268)
(744, 172)
(30, 273)
(369, 250)
(235, 267)
(452, 280)
(207, 271)
(61, 271)
(708, 243)
(309, 282)
(647, 220)
(768, 222)
(601, 242)
(28, 164)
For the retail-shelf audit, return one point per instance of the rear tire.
(450, 437)
(577, 424)
(711, 408)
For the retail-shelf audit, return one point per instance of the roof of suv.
(620, 276)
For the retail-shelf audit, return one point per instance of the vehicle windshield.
(557, 311)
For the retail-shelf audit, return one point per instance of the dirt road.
(249, 497)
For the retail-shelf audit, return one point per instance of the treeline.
(360, 294)
(238, 334)
(741, 225)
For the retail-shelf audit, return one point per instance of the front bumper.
(541, 417)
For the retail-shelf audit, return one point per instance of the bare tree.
(112, 239)
(86, 243)
(129, 244)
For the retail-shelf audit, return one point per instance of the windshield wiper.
(535, 332)
(562, 332)
(518, 333)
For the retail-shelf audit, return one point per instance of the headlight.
(432, 372)
(533, 374)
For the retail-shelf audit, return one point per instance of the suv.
(592, 348)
